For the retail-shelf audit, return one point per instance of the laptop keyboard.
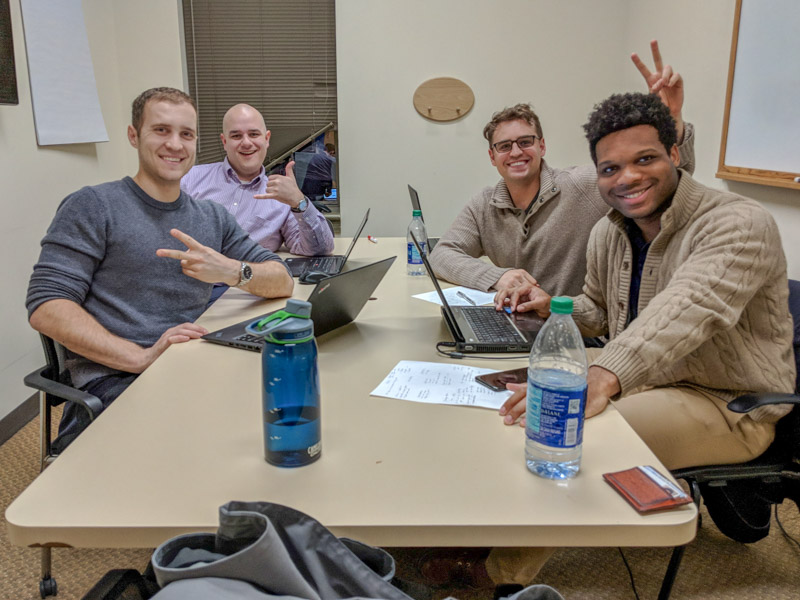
(326, 264)
(491, 326)
(247, 337)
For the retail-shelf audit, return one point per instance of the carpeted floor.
(713, 568)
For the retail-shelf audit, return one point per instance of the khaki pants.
(684, 427)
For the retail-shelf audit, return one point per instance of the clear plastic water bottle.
(556, 396)
(290, 390)
(415, 266)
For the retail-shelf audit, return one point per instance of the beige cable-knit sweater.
(549, 242)
(713, 302)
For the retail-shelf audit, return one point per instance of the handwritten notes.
(439, 383)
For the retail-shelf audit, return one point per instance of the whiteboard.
(761, 141)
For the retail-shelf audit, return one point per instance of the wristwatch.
(301, 208)
(245, 274)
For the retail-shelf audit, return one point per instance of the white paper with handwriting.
(439, 383)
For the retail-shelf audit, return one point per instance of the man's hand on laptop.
(201, 262)
(513, 278)
(524, 298)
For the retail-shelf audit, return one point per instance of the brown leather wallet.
(646, 489)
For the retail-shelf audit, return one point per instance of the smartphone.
(497, 381)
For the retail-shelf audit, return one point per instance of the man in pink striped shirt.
(271, 209)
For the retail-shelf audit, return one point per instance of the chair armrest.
(748, 402)
(38, 380)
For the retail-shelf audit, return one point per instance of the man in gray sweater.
(127, 266)
(534, 224)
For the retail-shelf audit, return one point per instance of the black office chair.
(739, 497)
(55, 387)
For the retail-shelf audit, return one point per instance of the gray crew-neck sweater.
(100, 252)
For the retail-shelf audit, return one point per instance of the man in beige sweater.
(689, 283)
(534, 223)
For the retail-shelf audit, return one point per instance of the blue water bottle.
(290, 386)
(556, 396)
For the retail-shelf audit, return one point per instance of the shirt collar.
(234, 178)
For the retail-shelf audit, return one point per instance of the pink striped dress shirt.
(269, 222)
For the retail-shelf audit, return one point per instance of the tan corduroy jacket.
(713, 302)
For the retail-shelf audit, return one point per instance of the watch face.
(247, 273)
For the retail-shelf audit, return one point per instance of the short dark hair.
(518, 112)
(157, 94)
(623, 111)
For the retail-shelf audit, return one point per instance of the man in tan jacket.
(534, 223)
(689, 283)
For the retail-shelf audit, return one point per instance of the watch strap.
(301, 208)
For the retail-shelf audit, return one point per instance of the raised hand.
(283, 188)
(665, 82)
(202, 262)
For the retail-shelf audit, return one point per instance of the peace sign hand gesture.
(202, 262)
(665, 82)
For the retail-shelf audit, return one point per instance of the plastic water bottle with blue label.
(556, 396)
(290, 386)
(417, 227)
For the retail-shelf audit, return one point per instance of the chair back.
(788, 428)
(55, 355)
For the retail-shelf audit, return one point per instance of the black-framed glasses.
(524, 141)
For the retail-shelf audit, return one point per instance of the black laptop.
(416, 206)
(326, 264)
(336, 301)
(482, 328)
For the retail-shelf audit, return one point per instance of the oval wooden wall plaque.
(443, 99)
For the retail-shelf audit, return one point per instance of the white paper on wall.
(66, 108)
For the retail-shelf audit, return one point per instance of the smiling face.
(636, 175)
(246, 139)
(517, 167)
(166, 143)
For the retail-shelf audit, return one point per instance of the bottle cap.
(561, 305)
(416, 213)
(291, 325)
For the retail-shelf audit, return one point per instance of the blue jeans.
(75, 419)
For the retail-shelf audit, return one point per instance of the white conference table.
(187, 437)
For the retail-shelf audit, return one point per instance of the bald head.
(246, 139)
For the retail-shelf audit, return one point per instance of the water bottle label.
(413, 254)
(555, 417)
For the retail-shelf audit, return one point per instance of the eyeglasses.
(522, 142)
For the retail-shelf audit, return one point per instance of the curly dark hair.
(623, 111)
(518, 112)
(157, 94)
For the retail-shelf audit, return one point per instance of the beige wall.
(134, 45)
(562, 56)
